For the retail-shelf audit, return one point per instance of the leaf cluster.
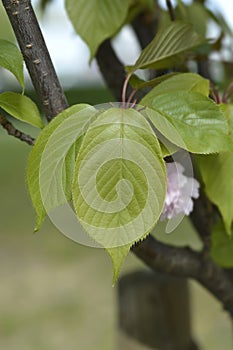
(110, 163)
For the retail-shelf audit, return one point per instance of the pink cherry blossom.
(180, 191)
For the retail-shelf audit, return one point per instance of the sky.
(71, 55)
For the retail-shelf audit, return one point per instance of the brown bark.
(154, 312)
(36, 56)
(12, 131)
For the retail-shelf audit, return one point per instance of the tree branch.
(161, 257)
(202, 219)
(145, 27)
(36, 56)
(171, 10)
(164, 258)
(11, 130)
(112, 69)
(187, 263)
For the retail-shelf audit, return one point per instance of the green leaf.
(167, 47)
(138, 83)
(96, 20)
(222, 246)
(195, 13)
(119, 183)
(118, 255)
(12, 60)
(59, 142)
(191, 121)
(21, 107)
(217, 175)
(227, 110)
(179, 82)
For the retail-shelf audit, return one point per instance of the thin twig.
(145, 26)
(123, 98)
(171, 10)
(214, 93)
(227, 93)
(11, 130)
(134, 103)
(131, 96)
(112, 69)
(36, 56)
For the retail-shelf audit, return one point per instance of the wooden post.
(153, 312)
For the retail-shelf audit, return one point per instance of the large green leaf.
(167, 47)
(21, 107)
(6, 29)
(217, 175)
(12, 60)
(190, 121)
(120, 183)
(195, 13)
(222, 246)
(59, 143)
(179, 82)
(138, 83)
(96, 20)
(227, 110)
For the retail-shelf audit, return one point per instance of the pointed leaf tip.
(12, 60)
(96, 20)
(22, 108)
(118, 194)
(118, 256)
(167, 46)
